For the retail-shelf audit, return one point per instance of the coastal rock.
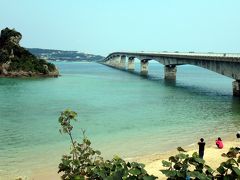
(4, 72)
(15, 39)
(10, 36)
(4, 68)
(16, 61)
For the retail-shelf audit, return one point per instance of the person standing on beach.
(201, 145)
(238, 135)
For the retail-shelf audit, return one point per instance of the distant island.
(55, 55)
(16, 61)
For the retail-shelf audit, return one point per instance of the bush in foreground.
(182, 167)
(84, 162)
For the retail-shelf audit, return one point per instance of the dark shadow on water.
(195, 90)
(168, 82)
(235, 110)
(236, 106)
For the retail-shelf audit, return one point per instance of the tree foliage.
(84, 162)
(182, 166)
(19, 58)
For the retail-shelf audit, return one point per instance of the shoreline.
(212, 157)
(153, 162)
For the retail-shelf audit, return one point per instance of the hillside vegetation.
(16, 61)
(55, 55)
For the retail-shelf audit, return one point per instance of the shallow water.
(123, 113)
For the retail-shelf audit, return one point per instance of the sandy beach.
(153, 162)
(212, 157)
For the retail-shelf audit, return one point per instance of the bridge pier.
(111, 62)
(236, 88)
(144, 67)
(122, 63)
(107, 63)
(115, 62)
(170, 72)
(131, 65)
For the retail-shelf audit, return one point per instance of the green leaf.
(221, 169)
(149, 177)
(169, 173)
(238, 160)
(236, 170)
(193, 174)
(195, 154)
(226, 164)
(87, 141)
(181, 174)
(166, 163)
(193, 163)
(209, 169)
(98, 152)
(203, 177)
(66, 162)
(182, 156)
(78, 177)
(75, 162)
(134, 171)
(117, 175)
(130, 178)
(178, 166)
(141, 165)
(227, 177)
(173, 159)
(199, 160)
(134, 164)
(109, 178)
(143, 171)
(233, 161)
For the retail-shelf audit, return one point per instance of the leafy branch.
(86, 163)
(183, 166)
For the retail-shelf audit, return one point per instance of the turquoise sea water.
(123, 113)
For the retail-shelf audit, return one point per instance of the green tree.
(84, 162)
(183, 166)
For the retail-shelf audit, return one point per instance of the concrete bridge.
(222, 63)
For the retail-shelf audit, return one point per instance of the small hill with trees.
(16, 61)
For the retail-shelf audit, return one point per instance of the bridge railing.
(191, 53)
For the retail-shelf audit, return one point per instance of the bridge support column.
(112, 62)
(236, 88)
(116, 62)
(144, 67)
(107, 62)
(170, 72)
(122, 64)
(131, 65)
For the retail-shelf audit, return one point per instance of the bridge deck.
(227, 57)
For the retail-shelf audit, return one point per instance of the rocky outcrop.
(16, 61)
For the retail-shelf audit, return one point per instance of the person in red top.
(219, 143)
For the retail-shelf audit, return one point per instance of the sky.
(104, 26)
